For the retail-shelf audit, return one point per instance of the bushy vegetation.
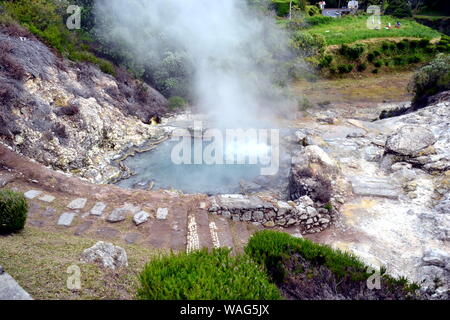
(203, 275)
(306, 44)
(13, 211)
(306, 270)
(177, 103)
(399, 9)
(272, 248)
(431, 78)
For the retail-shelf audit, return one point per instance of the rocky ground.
(379, 189)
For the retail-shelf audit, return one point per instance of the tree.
(399, 9)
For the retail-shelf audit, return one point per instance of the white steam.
(233, 49)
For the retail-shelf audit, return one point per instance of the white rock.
(31, 194)
(141, 217)
(66, 219)
(161, 213)
(47, 198)
(98, 208)
(78, 203)
(106, 254)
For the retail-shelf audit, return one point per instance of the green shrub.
(352, 52)
(177, 103)
(203, 275)
(376, 53)
(361, 67)
(402, 45)
(317, 20)
(385, 46)
(413, 44)
(430, 49)
(414, 59)
(375, 71)
(325, 61)
(345, 68)
(398, 61)
(377, 64)
(13, 211)
(370, 57)
(386, 63)
(431, 78)
(306, 44)
(304, 104)
(313, 11)
(399, 9)
(423, 43)
(271, 248)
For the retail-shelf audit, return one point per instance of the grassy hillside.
(351, 29)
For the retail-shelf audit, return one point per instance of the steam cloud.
(235, 52)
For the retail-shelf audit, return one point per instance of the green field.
(351, 29)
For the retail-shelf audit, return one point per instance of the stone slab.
(98, 208)
(78, 203)
(31, 194)
(162, 213)
(375, 187)
(66, 219)
(11, 290)
(47, 198)
(132, 237)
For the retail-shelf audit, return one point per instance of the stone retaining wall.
(271, 212)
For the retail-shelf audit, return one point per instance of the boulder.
(312, 173)
(410, 140)
(105, 254)
(141, 217)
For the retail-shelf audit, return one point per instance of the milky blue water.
(156, 165)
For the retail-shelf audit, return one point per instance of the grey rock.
(375, 187)
(247, 216)
(10, 289)
(141, 217)
(436, 257)
(106, 254)
(409, 140)
(444, 205)
(162, 213)
(47, 198)
(31, 194)
(98, 208)
(66, 219)
(311, 212)
(258, 216)
(117, 215)
(76, 204)
(226, 214)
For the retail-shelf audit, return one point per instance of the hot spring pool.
(156, 166)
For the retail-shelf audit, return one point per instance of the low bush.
(377, 64)
(402, 45)
(317, 20)
(344, 68)
(203, 275)
(431, 78)
(177, 103)
(361, 67)
(399, 61)
(370, 57)
(423, 43)
(375, 71)
(271, 248)
(414, 59)
(303, 269)
(325, 61)
(13, 211)
(306, 44)
(352, 52)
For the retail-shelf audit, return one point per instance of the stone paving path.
(167, 225)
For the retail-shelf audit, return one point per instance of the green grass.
(38, 261)
(351, 29)
(203, 275)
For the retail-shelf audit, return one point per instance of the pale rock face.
(106, 254)
(409, 140)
